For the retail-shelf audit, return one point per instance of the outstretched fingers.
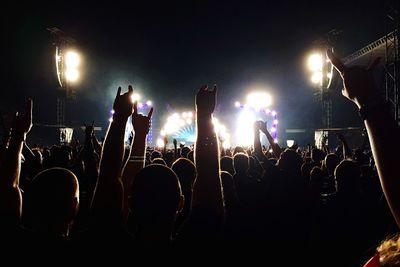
(150, 113)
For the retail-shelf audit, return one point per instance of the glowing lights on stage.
(222, 133)
(257, 107)
(321, 69)
(244, 127)
(72, 61)
(181, 126)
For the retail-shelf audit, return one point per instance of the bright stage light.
(259, 100)
(135, 97)
(273, 129)
(275, 122)
(289, 143)
(181, 127)
(273, 113)
(72, 60)
(316, 77)
(160, 142)
(244, 128)
(148, 103)
(275, 140)
(72, 75)
(237, 104)
(315, 62)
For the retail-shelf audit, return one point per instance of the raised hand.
(141, 123)
(175, 142)
(23, 121)
(89, 130)
(359, 85)
(206, 100)
(260, 125)
(123, 104)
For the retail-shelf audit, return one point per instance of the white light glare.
(237, 104)
(160, 142)
(148, 103)
(259, 100)
(289, 143)
(72, 60)
(135, 97)
(316, 77)
(315, 62)
(244, 128)
(72, 75)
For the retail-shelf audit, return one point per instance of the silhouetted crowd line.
(294, 206)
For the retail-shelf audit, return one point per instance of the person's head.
(156, 195)
(331, 161)
(389, 252)
(159, 161)
(227, 164)
(316, 179)
(347, 175)
(290, 161)
(241, 163)
(185, 151)
(155, 154)
(52, 199)
(191, 156)
(238, 149)
(317, 155)
(186, 172)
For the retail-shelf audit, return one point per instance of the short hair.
(241, 162)
(50, 195)
(186, 172)
(156, 192)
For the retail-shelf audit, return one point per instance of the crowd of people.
(318, 207)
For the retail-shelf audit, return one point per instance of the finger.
(374, 63)
(150, 113)
(119, 91)
(130, 89)
(336, 62)
(92, 123)
(85, 125)
(135, 109)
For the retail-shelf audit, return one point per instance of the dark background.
(167, 49)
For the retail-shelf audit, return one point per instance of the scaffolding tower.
(392, 61)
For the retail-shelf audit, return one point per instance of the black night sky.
(167, 50)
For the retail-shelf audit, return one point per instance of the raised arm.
(10, 194)
(108, 196)
(137, 156)
(383, 132)
(275, 147)
(207, 192)
(346, 149)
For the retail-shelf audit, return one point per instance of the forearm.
(10, 194)
(207, 164)
(384, 137)
(109, 187)
(275, 147)
(136, 162)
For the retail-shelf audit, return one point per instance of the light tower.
(67, 62)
